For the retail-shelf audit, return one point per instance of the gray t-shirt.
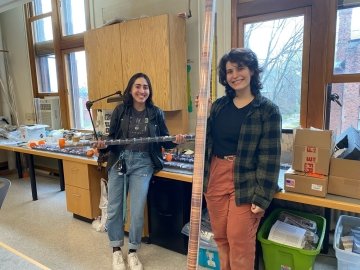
(138, 128)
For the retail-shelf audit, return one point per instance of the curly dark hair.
(128, 99)
(242, 57)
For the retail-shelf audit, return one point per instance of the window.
(330, 54)
(72, 12)
(77, 80)
(358, 125)
(278, 45)
(56, 48)
(47, 74)
(278, 41)
(42, 30)
(347, 46)
(345, 112)
(343, 95)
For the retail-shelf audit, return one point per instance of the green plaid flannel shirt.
(257, 162)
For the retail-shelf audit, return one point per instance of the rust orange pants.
(234, 227)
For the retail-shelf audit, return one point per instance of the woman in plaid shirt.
(242, 159)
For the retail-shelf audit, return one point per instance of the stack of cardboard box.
(312, 152)
(344, 177)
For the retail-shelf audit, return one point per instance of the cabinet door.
(78, 202)
(103, 61)
(146, 47)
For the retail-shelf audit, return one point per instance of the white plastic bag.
(99, 224)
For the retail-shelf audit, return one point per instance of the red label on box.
(310, 149)
(311, 159)
(309, 167)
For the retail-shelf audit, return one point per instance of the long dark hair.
(242, 57)
(128, 99)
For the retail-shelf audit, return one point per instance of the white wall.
(14, 40)
(13, 35)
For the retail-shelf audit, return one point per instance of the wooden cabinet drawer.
(76, 174)
(78, 202)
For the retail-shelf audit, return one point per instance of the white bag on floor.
(99, 224)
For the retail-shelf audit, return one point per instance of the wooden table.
(330, 201)
(72, 158)
(82, 180)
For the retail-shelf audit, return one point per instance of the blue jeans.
(139, 169)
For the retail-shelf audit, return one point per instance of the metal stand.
(89, 104)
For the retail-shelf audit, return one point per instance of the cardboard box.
(300, 182)
(344, 177)
(32, 132)
(313, 150)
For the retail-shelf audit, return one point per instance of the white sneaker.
(134, 262)
(118, 261)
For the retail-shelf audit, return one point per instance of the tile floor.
(44, 231)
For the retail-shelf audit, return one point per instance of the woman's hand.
(197, 102)
(179, 139)
(256, 209)
(100, 144)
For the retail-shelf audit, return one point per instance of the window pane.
(347, 47)
(279, 47)
(358, 125)
(77, 81)
(73, 17)
(47, 77)
(347, 115)
(42, 30)
(41, 6)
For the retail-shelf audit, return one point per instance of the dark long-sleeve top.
(119, 124)
(257, 162)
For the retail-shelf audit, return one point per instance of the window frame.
(66, 52)
(338, 78)
(59, 46)
(306, 41)
(322, 21)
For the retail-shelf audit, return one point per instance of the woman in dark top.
(131, 166)
(242, 159)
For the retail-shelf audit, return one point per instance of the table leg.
(61, 174)
(18, 165)
(30, 159)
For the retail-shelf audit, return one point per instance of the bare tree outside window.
(279, 47)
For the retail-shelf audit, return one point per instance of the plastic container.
(209, 258)
(346, 260)
(278, 256)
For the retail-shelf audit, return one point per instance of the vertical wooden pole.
(200, 131)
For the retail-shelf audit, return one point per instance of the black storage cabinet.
(169, 203)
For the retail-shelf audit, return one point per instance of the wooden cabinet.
(103, 62)
(153, 45)
(158, 48)
(82, 186)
